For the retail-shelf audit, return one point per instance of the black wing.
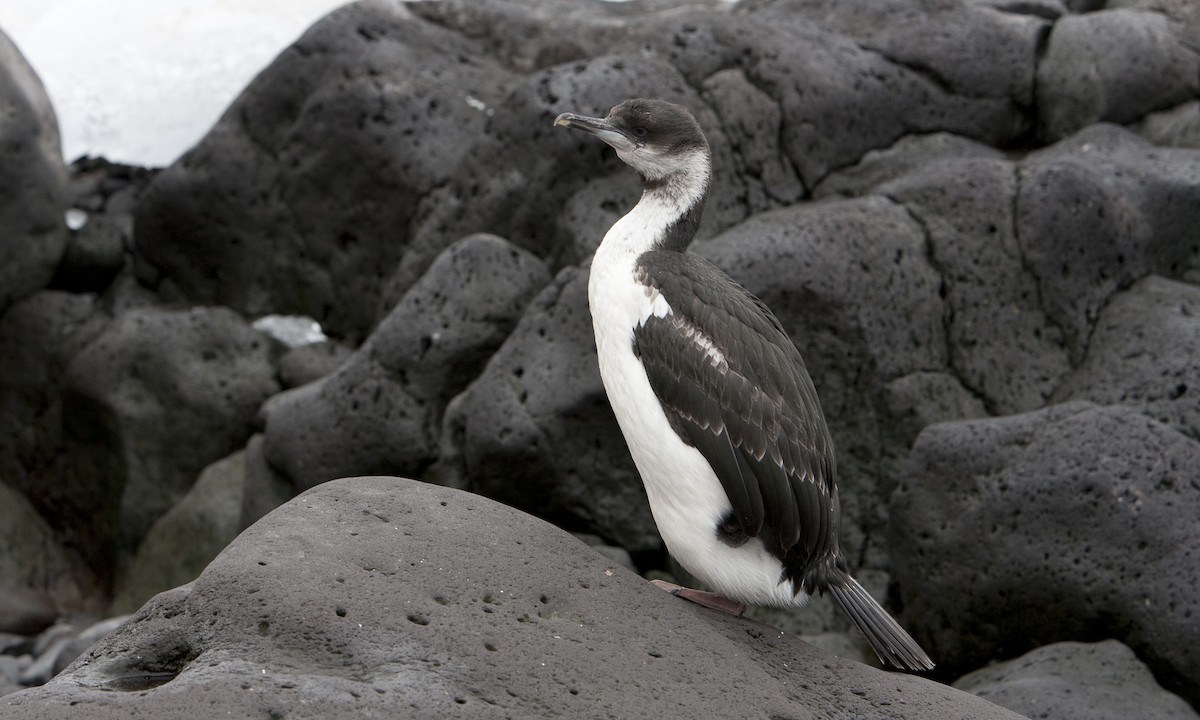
(735, 387)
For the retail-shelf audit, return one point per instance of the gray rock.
(41, 579)
(924, 398)
(910, 153)
(10, 672)
(942, 41)
(95, 255)
(12, 644)
(381, 410)
(23, 610)
(1114, 65)
(524, 171)
(151, 401)
(1179, 126)
(309, 363)
(38, 336)
(264, 488)
(1069, 523)
(1097, 212)
(182, 542)
(857, 76)
(753, 122)
(34, 192)
(1145, 353)
(59, 646)
(1002, 345)
(614, 553)
(299, 198)
(535, 429)
(402, 613)
(1077, 681)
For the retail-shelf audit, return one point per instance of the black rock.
(381, 409)
(535, 429)
(34, 193)
(152, 400)
(1076, 522)
(1098, 211)
(299, 199)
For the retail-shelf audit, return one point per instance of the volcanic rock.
(1076, 522)
(34, 193)
(384, 596)
(1077, 681)
(382, 408)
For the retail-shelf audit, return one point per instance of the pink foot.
(709, 600)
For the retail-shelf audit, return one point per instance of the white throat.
(673, 188)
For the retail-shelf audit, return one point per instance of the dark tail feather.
(891, 643)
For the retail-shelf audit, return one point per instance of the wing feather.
(725, 372)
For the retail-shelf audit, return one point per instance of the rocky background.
(979, 220)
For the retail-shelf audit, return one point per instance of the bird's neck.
(668, 214)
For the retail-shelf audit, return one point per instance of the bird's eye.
(639, 131)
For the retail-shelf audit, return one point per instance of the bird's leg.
(709, 600)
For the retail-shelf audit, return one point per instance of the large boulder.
(1098, 211)
(1116, 65)
(34, 194)
(151, 401)
(1076, 522)
(382, 596)
(299, 199)
(1001, 344)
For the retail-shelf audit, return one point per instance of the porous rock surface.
(382, 408)
(1077, 681)
(382, 597)
(1076, 522)
(960, 209)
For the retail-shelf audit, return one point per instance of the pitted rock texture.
(535, 429)
(1145, 353)
(383, 596)
(298, 199)
(1135, 62)
(382, 408)
(1100, 210)
(961, 209)
(1074, 522)
(1077, 681)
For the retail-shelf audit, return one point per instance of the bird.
(720, 415)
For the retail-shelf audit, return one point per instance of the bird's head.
(661, 140)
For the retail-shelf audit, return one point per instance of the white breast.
(686, 498)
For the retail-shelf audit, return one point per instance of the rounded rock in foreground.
(386, 596)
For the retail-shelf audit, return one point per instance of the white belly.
(686, 498)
